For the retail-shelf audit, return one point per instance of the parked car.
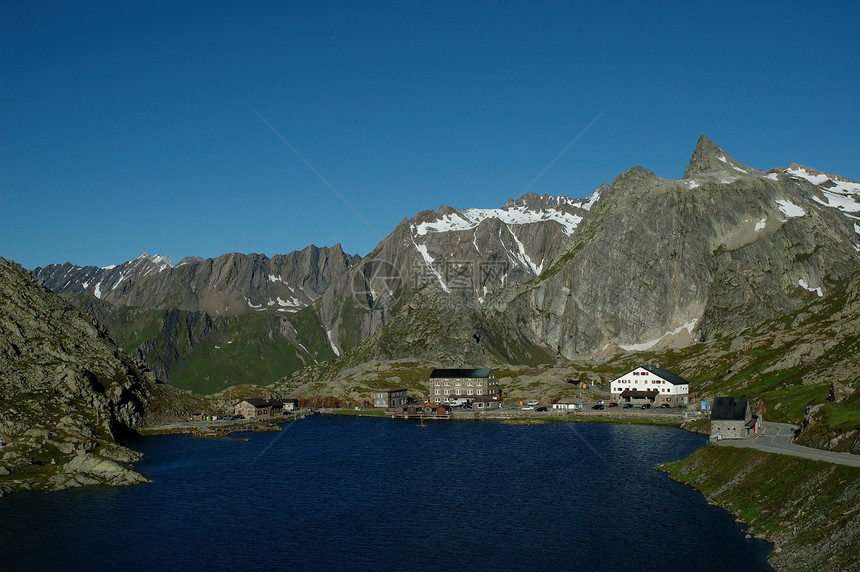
(597, 406)
(613, 404)
(628, 405)
(527, 408)
(646, 406)
(542, 408)
(664, 406)
(533, 402)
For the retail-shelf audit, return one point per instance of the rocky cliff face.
(232, 284)
(463, 254)
(182, 320)
(661, 262)
(66, 393)
(725, 254)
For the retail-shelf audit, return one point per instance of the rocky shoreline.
(809, 510)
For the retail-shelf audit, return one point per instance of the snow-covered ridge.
(839, 192)
(511, 214)
(161, 262)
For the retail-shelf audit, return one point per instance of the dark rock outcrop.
(66, 393)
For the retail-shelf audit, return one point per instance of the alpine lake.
(356, 493)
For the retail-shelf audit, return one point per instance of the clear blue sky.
(144, 126)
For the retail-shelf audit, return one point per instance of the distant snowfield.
(470, 218)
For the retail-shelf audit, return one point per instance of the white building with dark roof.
(650, 384)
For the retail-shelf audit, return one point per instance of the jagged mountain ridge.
(199, 323)
(465, 254)
(673, 262)
(643, 263)
(652, 263)
(231, 284)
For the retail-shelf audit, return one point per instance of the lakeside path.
(778, 438)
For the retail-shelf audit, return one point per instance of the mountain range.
(645, 264)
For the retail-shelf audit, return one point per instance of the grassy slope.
(809, 509)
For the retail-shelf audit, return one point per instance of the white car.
(527, 408)
(533, 402)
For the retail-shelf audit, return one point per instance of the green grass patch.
(787, 405)
(791, 500)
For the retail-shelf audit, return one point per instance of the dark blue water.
(358, 493)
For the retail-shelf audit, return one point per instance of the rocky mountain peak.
(160, 261)
(710, 157)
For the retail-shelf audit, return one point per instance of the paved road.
(777, 438)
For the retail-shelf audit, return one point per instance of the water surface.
(332, 492)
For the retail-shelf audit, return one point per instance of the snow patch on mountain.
(428, 260)
(790, 209)
(644, 346)
(803, 284)
(521, 256)
(839, 192)
(591, 201)
(161, 262)
(331, 343)
(512, 215)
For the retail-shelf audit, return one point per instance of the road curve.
(778, 438)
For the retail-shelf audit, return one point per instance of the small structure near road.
(567, 404)
(731, 418)
(486, 402)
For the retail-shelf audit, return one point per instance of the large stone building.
(652, 385)
(474, 384)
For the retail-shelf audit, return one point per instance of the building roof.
(666, 374)
(729, 408)
(260, 402)
(462, 373)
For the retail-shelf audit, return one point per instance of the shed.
(730, 417)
